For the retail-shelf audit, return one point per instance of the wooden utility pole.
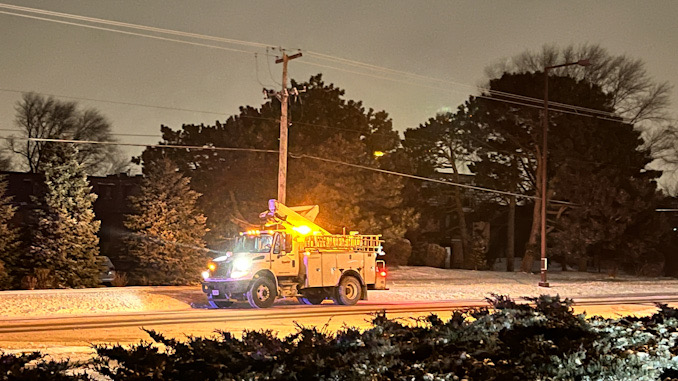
(282, 159)
(511, 234)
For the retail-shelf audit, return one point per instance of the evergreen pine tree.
(167, 244)
(8, 238)
(65, 240)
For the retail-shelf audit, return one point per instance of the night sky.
(446, 40)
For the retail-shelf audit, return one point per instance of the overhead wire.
(247, 43)
(270, 73)
(117, 102)
(617, 119)
(267, 47)
(210, 148)
(159, 136)
(296, 156)
(256, 69)
(129, 33)
(132, 26)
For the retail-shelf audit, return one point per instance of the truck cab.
(293, 257)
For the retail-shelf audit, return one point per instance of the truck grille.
(223, 270)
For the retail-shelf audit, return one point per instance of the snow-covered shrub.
(507, 341)
(29, 282)
(428, 254)
(44, 278)
(119, 280)
(34, 366)
(398, 251)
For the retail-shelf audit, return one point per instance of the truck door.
(284, 263)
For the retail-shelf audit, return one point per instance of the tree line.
(58, 246)
(599, 171)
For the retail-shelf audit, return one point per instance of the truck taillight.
(383, 273)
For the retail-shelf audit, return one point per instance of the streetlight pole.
(544, 194)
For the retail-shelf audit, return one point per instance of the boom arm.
(298, 219)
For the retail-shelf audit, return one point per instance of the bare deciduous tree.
(636, 96)
(43, 117)
(663, 143)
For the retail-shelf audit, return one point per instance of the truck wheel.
(218, 303)
(348, 291)
(312, 297)
(262, 293)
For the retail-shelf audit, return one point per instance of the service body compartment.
(314, 273)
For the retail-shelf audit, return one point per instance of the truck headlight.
(242, 264)
(205, 274)
(241, 267)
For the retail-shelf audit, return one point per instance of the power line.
(296, 156)
(617, 119)
(128, 33)
(131, 26)
(159, 136)
(270, 73)
(260, 45)
(210, 148)
(117, 102)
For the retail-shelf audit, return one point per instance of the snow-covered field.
(405, 284)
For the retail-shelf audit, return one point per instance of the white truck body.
(294, 257)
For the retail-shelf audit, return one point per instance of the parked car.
(107, 270)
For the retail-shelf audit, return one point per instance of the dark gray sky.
(448, 40)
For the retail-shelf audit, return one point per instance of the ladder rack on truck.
(345, 242)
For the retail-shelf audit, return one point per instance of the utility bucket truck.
(291, 256)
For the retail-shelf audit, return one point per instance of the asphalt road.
(73, 336)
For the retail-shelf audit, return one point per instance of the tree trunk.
(583, 263)
(532, 247)
(511, 235)
(459, 206)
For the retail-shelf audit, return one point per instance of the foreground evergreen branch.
(505, 341)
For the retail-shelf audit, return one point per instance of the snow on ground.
(33, 303)
(405, 284)
(428, 284)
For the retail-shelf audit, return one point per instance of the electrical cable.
(256, 70)
(118, 102)
(260, 45)
(131, 26)
(617, 119)
(146, 145)
(295, 156)
(275, 120)
(270, 73)
(129, 33)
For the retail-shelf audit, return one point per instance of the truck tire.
(312, 297)
(262, 293)
(348, 291)
(218, 303)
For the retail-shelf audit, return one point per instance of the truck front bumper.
(224, 290)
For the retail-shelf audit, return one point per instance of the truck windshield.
(253, 244)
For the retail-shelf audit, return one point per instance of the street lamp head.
(584, 62)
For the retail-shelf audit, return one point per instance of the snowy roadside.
(409, 284)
